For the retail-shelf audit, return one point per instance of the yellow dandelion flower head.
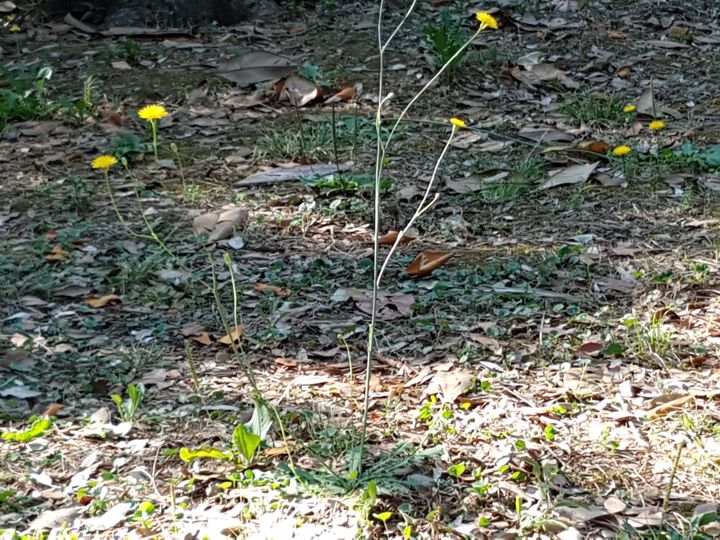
(152, 113)
(656, 125)
(458, 123)
(622, 150)
(15, 29)
(486, 20)
(104, 162)
(629, 108)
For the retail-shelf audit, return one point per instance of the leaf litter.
(555, 368)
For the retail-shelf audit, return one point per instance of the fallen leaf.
(590, 348)
(235, 336)
(282, 292)
(390, 306)
(57, 254)
(311, 380)
(102, 301)
(220, 225)
(346, 94)
(389, 238)
(594, 147)
(575, 174)
(203, 339)
(426, 262)
(545, 134)
(450, 385)
(614, 505)
(283, 174)
(476, 182)
(299, 91)
(255, 67)
(646, 103)
(666, 408)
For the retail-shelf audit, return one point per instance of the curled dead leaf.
(390, 237)
(234, 337)
(594, 147)
(427, 262)
(346, 94)
(282, 292)
(102, 301)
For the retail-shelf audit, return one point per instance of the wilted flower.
(656, 125)
(622, 150)
(486, 20)
(629, 108)
(458, 123)
(104, 162)
(152, 113)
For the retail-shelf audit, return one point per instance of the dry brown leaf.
(235, 336)
(53, 409)
(594, 147)
(57, 254)
(203, 339)
(426, 262)
(389, 238)
(102, 301)
(286, 362)
(666, 408)
(282, 292)
(591, 348)
(346, 94)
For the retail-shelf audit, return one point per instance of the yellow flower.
(656, 125)
(15, 29)
(152, 113)
(458, 123)
(629, 108)
(623, 150)
(486, 20)
(104, 162)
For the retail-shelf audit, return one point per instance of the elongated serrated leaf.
(188, 455)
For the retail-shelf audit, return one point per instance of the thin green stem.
(421, 209)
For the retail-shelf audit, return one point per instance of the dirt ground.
(556, 377)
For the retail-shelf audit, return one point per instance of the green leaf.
(383, 516)
(245, 442)
(189, 456)
(457, 470)
(146, 507)
(37, 429)
(614, 349)
(711, 156)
